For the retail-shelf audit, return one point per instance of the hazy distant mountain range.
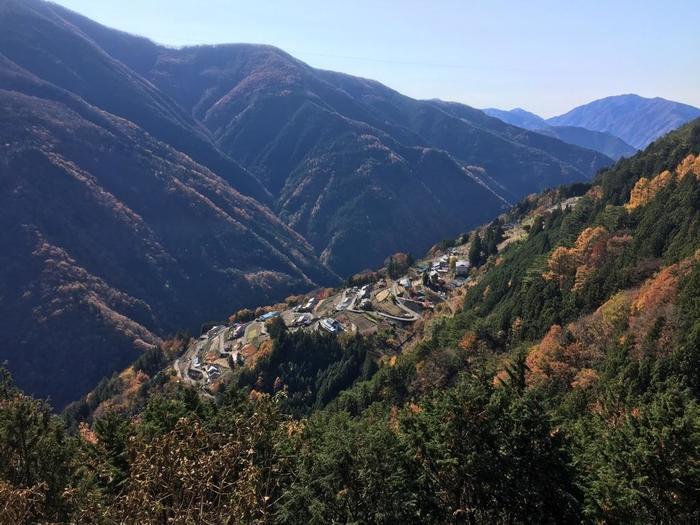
(518, 117)
(605, 143)
(636, 120)
(147, 188)
(616, 126)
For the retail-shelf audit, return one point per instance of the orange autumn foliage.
(545, 361)
(656, 299)
(587, 237)
(87, 434)
(500, 378)
(645, 189)
(562, 263)
(131, 382)
(586, 255)
(254, 395)
(468, 341)
(571, 355)
(585, 378)
(690, 164)
(659, 290)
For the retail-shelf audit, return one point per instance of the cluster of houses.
(227, 342)
(441, 267)
(198, 369)
(221, 337)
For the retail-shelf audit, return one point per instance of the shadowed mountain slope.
(287, 123)
(35, 38)
(117, 239)
(147, 189)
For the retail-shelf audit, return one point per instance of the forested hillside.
(334, 149)
(147, 189)
(565, 390)
(117, 239)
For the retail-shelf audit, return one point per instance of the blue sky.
(544, 56)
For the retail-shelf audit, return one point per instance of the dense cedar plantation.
(144, 189)
(565, 391)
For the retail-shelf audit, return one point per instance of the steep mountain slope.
(36, 39)
(563, 389)
(117, 239)
(310, 115)
(569, 158)
(338, 181)
(147, 189)
(572, 270)
(292, 126)
(605, 143)
(217, 83)
(636, 120)
(255, 82)
(287, 123)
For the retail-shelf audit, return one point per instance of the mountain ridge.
(224, 176)
(635, 119)
(117, 238)
(231, 88)
(603, 142)
(572, 344)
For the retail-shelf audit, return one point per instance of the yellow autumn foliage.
(645, 189)
(690, 164)
(580, 260)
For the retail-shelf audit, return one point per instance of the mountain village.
(386, 304)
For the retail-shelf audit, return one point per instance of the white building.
(330, 325)
(462, 268)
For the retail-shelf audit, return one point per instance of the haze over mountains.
(616, 126)
(146, 189)
(636, 120)
(605, 143)
(235, 288)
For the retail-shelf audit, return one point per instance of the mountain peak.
(635, 119)
(181, 182)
